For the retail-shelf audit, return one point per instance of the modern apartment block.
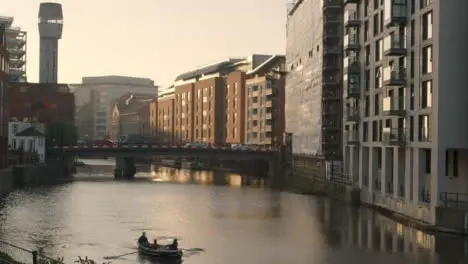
(314, 81)
(183, 113)
(15, 41)
(4, 116)
(265, 95)
(204, 105)
(405, 102)
(165, 119)
(234, 107)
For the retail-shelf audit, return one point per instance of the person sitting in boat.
(155, 244)
(143, 240)
(174, 244)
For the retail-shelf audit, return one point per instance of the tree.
(61, 133)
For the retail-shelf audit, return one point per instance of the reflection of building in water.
(250, 204)
(363, 228)
(208, 177)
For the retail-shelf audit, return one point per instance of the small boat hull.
(161, 252)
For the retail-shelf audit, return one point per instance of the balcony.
(352, 137)
(331, 94)
(352, 114)
(395, 13)
(351, 19)
(394, 136)
(350, 2)
(269, 104)
(268, 116)
(268, 128)
(352, 86)
(351, 65)
(394, 76)
(394, 106)
(330, 124)
(269, 91)
(351, 43)
(394, 46)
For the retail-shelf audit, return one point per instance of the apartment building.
(4, 116)
(15, 43)
(405, 102)
(314, 81)
(209, 107)
(265, 95)
(235, 108)
(201, 97)
(183, 113)
(165, 119)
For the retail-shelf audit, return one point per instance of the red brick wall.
(48, 103)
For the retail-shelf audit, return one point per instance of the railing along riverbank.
(13, 254)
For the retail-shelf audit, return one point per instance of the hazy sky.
(152, 38)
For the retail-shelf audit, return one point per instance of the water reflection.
(364, 229)
(211, 210)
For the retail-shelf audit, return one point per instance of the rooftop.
(211, 68)
(30, 132)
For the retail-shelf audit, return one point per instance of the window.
(378, 50)
(378, 77)
(427, 26)
(427, 59)
(425, 95)
(424, 128)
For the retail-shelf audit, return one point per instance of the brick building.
(183, 113)
(4, 68)
(165, 119)
(47, 103)
(235, 108)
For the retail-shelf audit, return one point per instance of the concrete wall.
(6, 182)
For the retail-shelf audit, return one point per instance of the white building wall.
(304, 78)
(422, 171)
(36, 144)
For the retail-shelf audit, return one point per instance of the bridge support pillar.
(124, 168)
(276, 172)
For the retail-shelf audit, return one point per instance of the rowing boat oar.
(118, 256)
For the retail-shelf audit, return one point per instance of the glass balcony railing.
(351, 19)
(394, 76)
(351, 42)
(394, 136)
(394, 45)
(352, 137)
(394, 105)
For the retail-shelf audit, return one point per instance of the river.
(232, 222)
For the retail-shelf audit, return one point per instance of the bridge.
(125, 154)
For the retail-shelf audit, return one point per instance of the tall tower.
(50, 31)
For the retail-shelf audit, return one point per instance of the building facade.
(265, 95)
(405, 86)
(46, 103)
(27, 137)
(96, 95)
(4, 115)
(165, 119)
(314, 81)
(235, 108)
(131, 116)
(183, 112)
(15, 42)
